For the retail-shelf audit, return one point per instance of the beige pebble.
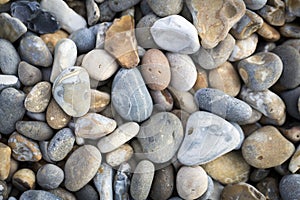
(51, 39)
(5, 153)
(56, 117)
(24, 179)
(202, 79)
(119, 156)
(244, 48)
(269, 33)
(99, 100)
(241, 191)
(183, 100)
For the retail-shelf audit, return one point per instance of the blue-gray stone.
(289, 187)
(84, 39)
(120, 5)
(106, 13)
(49, 176)
(166, 7)
(290, 98)
(38, 195)
(9, 58)
(130, 96)
(35, 130)
(11, 27)
(87, 192)
(122, 182)
(29, 75)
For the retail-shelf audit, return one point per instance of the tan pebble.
(56, 117)
(226, 79)
(120, 155)
(241, 191)
(51, 39)
(202, 79)
(14, 166)
(24, 179)
(291, 133)
(4, 1)
(260, 149)
(183, 100)
(228, 169)
(269, 33)
(99, 100)
(5, 153)
(244, 48)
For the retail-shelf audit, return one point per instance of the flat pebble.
(11, 109)
(28, 74)
(103, 182)
(191, 182)
(87, 192)
(49, 176)
(5, 153)
(9, 57)
(7, 81)
(51, 39)
(119, 5)
(243, 191)
(71, 90)
(269, 33)
(142, 179)
(260, 149)
(130, 96)
(81, 167)
(35, 130)
(84, 39)
(38, 194)
(291, 100)
(223, 105)
(175, 34)
(24, 179)
(183, 71)
(119, 155)
(12, 28)
(99, 100)
(61, 144)
(294, 164)
(38, 98)
(160, 136)
(207, 137)
(55, 116)
(289, 187)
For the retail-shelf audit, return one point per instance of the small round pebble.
(24, 179)
(99, 100)
(84, 39)
(163, 99)
(289, 187)
(165, 8)
(51, 39)
(11, 28)
(119, 156)
(38, 194)
(28, 74)
(255, 4)
(55, 116)
(49, 176)
(35, 130)
(9, 57)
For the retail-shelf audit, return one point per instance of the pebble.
(119, 5)
(165, 8)
(7, 81)
(261, 70)
(119, 155)
(244, 48)
(84, 39)
(260, 149)
(38, 194)
(163, 99)
(293, 7)
(223, 105)
(5, 153)
(255, 117)
(221, 15)
(71, 90)
(183, 100)
(230, 168)
(35, 130)
(160, 136)
(67, 17)
(4, 192)
(269, 188)
(93, 12)
(255, 4)
(191, 182)
(61, 144)
(291, 132)
(34, 51)
(294, 164)
(225, 78)
(11, 109)
(103, 182)
(207, 137)
(121, 43)
(289, 187)
(44, 150)
(101, 33)
(142, 179)
(183, 71)
(87, 192)
(122, 182)
(291, 60)
(12, 28)
(210, 190)
(273, 13)
(290, 30)
(99, 100)
(4, 1)
(269, 33)
(50, 176)
(81, 167)
(155, 70)
(99, 64)
(291, 99)
(9, 58)
(28, 74)
(130, 96)
(38, 98)
(24, 179)
(163, 183)
(63, 194)
(259, 174)
(106, 13)
(243, 191)
(51, 39)
(202, 79)
(175, 34)
(65, 55)
(213, 58)
(120, 136)
(55, 116)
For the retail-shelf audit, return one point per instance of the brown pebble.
(56, 117)
(99, 100)
(51, 39)
(269, 33)
(291, 133)
(24, 179)
(202, 79)
(5, 153)
(241, 191)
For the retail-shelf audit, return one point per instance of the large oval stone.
(130, 96)
(207, 137)
(71, 90)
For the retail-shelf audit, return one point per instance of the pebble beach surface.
(149, 99)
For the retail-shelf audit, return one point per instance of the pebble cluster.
(150, 99)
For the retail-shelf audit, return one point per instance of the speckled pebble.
(38, 194)
(49, 176)
(9, 57)
(289, 187)
(119, 155)
(84, 39)
(106, 13)
(28, 74)
(55, 116)
(243, 191)
(5, 155)
(4, 192)
(269, 187)
(165, 8)
(36, 130)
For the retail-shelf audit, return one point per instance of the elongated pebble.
(103, 182)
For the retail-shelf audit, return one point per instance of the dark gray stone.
(290, 99)
(35, 130)
(38, 195)
(289, 187)
(106, 13)
(166, 7)
(50, 176)
(87, 192)
(145, 8)
(259, 174)
(11, 109)
(28, 74)
(84, 39)
(9, 58)
(120, 5)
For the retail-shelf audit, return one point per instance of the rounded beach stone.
(51, 39)
(38, 98)
(183, 71)
(259, 174)
(63, 194)
(291, 132)
(99, 100)
(120, 136)
(243, 191)
(165, 8)
(84, 39)
(155, 69)
(269, 33)
(289, 187)
(61, 144)
(119, 5)
(24, 179)
(35, 130)
(207, 137)
(269, 187)
(5, 153)
(255, 4)
(130, 96)
(11, 28)
(291, 100)
(274, 13)
(71, 90)
(4, 191)
(49, 176)
(163, 99)
(261, 70)
(202, 79)
(99, 64)
(106, 13)
(230, 168)
(294, 164)
(191, 182)
(9, 57)
(103, 181)
(81, 167)
(28, 74)
(244, 48)
(183, 100)
(38, 194)
(142, 179)
(160, 136)
(290, 30)
(87, 192)
(163, 183)
(223, 105)
(260, 149)
(24, 149)
(175, 34)
(119, 155)
(7, 81)
(55, 116)
(34, 51)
